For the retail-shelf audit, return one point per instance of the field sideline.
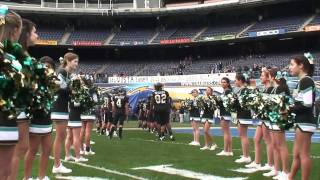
(116, 159)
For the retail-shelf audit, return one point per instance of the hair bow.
(3, 12)
(282, 75)
(309, 56)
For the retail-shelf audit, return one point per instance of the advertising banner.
(87, 43)
(47, 42)
(175, 41)
(218, 38)
(194, 78)
(271, 32)
(312, 28)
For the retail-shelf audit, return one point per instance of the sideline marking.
(166, 168)
(79, 178)
(245, 170)
(105, 170)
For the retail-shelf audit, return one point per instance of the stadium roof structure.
(127, 7)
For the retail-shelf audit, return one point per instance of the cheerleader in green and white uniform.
(305, 122)
(225, 119)
(195, 118)
(278, 138)
(262, 130)
(207, 114)
(243, 121)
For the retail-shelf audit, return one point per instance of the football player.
(120, 110)
(161, 104)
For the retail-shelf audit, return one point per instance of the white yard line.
(105, 170)
(154, 141)
(79, 178)
(245, 170)
(185, 173)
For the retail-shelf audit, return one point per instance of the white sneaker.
(222, 153)
(266, 167)
(45, 178)
(107, 133)
(28, 178)
(243, 160)
(205, 148)
(80, 159)
(229, 153)
(89, 152)
(194, 143)
(213, 147)
(278, 176)
(284, 176)
(61, 170)
(115, 134)
(82, 152)
(253, 165)
(92, 143)
(271, 173)
(69, 158)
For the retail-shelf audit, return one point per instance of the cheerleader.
(74, 127)
(262, 130)
(243, 120)
(60, 113)
(8, 128)
(40, 135)
(305, 123)
(225, 118)
(207, 120)
(278, 138)
(87, 123)
(27, 38)
(195, 118)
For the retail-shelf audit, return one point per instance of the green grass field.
(139, 149)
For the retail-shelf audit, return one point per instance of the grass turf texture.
(139, 148)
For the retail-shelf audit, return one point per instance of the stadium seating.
(289, 24)
(315, 21)
(98, 36)
(160, 68)
(186, 32)
(123, 68)
(164, 35)
(133, 37)
(89, 67)
(199, 66)
(46, 34)
(222, 30)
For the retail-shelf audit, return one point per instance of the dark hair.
(49, 60)
(228, 81)
(273, 72)
(283, 86)
(27, 27)
(240, 77)
(12, 20)
(307, 67)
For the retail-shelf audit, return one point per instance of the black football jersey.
(119, 102)
(107, 103)
(161, 101)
